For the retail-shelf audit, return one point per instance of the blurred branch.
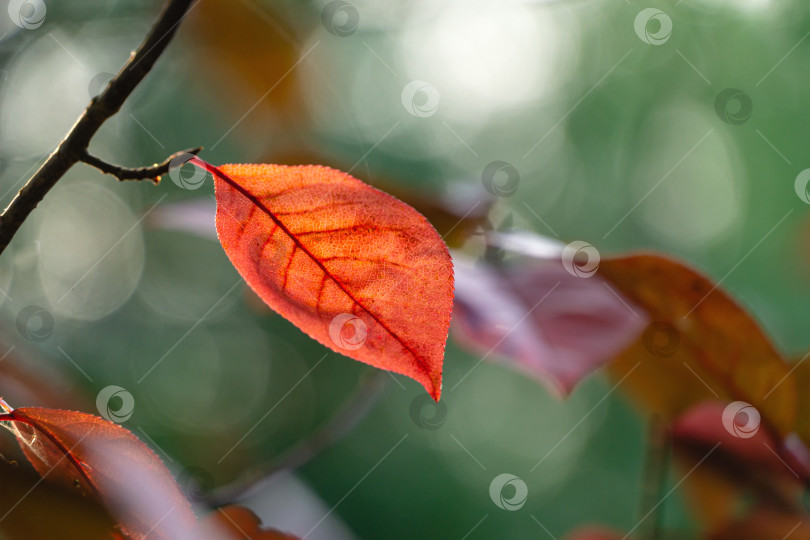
(101, 108)
(153, 172)
(356, 407)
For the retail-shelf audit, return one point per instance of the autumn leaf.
(107, 462)
(356, 269)
(737, 468)
(701, 361)
(541, 319)
(701, 344)
(457, 211)
(704, 426)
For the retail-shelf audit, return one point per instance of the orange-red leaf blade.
(358, 270)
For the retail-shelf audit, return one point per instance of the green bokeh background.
(599, 124)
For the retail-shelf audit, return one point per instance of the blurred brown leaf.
(711, 348)
(31, 508)
(246, 51)
(802, 375)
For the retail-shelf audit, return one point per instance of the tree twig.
(356, 407)
(102, 107)
(153, 172)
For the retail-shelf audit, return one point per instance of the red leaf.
(742, 463)
(358, 270)
(702, 427)
(104, 460)
(542, 320)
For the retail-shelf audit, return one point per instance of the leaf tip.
(436, 390)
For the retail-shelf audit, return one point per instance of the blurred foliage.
(617, 142)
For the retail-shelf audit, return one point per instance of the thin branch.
(101, 108)
(356, 407)
(153, 172)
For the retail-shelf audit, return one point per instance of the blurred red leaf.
(541, 319)
(738, 468)
(703, 426)
(334, 255)
(104, 460)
